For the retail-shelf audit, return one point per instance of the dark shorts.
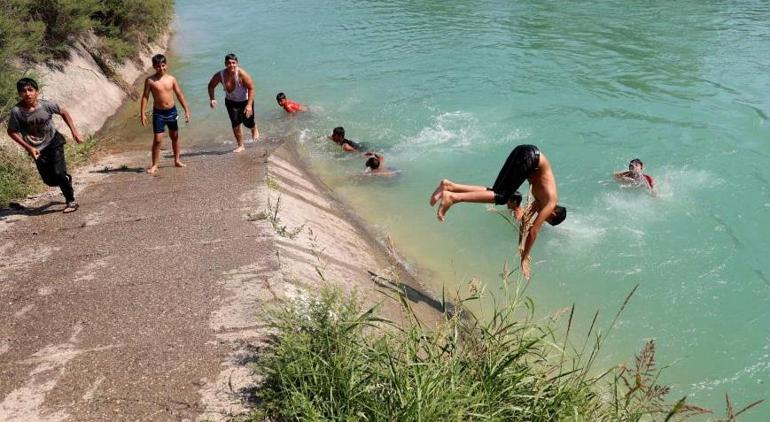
(163, 118)
(236, 111)
(522, 161)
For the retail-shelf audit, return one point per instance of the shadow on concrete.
(14, 208)
(122, 169)
(411, 293)
(200, 153)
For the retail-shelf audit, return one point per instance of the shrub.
(330, 361)
(18, 176)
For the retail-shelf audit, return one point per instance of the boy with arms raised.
(31, 126)
(163, 87)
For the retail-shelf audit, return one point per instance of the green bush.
(330, 361)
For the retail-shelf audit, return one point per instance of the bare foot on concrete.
(445, 202)
(152, 170)
(239, 149)
(179, 164)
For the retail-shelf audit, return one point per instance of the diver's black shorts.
(521, 162)
(236, 111)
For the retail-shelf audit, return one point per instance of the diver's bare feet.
(446, 201)
(152, 170)
(239, 149)
(179, 164)
(442, 186)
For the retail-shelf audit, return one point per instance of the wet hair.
(373, 163)
(339, 130)
(231, 56)
(280, 96)
(636, 161)
(25, 82)
(559, 214)
(158, 59)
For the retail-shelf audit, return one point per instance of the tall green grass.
(18, 175)
(331, 360)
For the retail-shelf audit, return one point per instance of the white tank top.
(239, 93)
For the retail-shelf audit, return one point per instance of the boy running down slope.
(31, 126)
(163, 87)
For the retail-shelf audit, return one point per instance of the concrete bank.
(145, 304)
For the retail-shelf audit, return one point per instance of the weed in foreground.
(329, 360)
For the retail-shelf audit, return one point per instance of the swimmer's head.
(635, 165)
(280, 98)
(373, 163)
(338, 134)
(559, 214)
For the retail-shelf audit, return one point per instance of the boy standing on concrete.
(239, 98)
(31, 126)
(163, 87)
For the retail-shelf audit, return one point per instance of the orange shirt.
(291, 107)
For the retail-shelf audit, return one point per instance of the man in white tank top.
(239, 98)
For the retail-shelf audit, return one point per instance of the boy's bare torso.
(543, 185)
(162, 89)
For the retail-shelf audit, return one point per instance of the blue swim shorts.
(163, 118)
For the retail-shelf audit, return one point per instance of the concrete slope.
(106, 313)
(146, 303)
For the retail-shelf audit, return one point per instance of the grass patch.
(19, 177)
(331, 360)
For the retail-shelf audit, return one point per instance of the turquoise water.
(447, 88)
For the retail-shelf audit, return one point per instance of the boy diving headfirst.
(163, 88)
(525, 162)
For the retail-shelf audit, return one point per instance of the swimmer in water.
(525, 162)
(635, 176)
(338, 137)
(288, 105)
(376, 165)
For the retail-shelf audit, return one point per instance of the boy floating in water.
(525, 162)
(376, 165)
(31, 126)
(338, 137)
(163, 87)
(239, 98)
(635, 176)
(287, 104)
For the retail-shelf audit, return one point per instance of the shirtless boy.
(635, 176)
(163, 88)
(525, 162)
(31, 126)
(376, 165)
(239, 98)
